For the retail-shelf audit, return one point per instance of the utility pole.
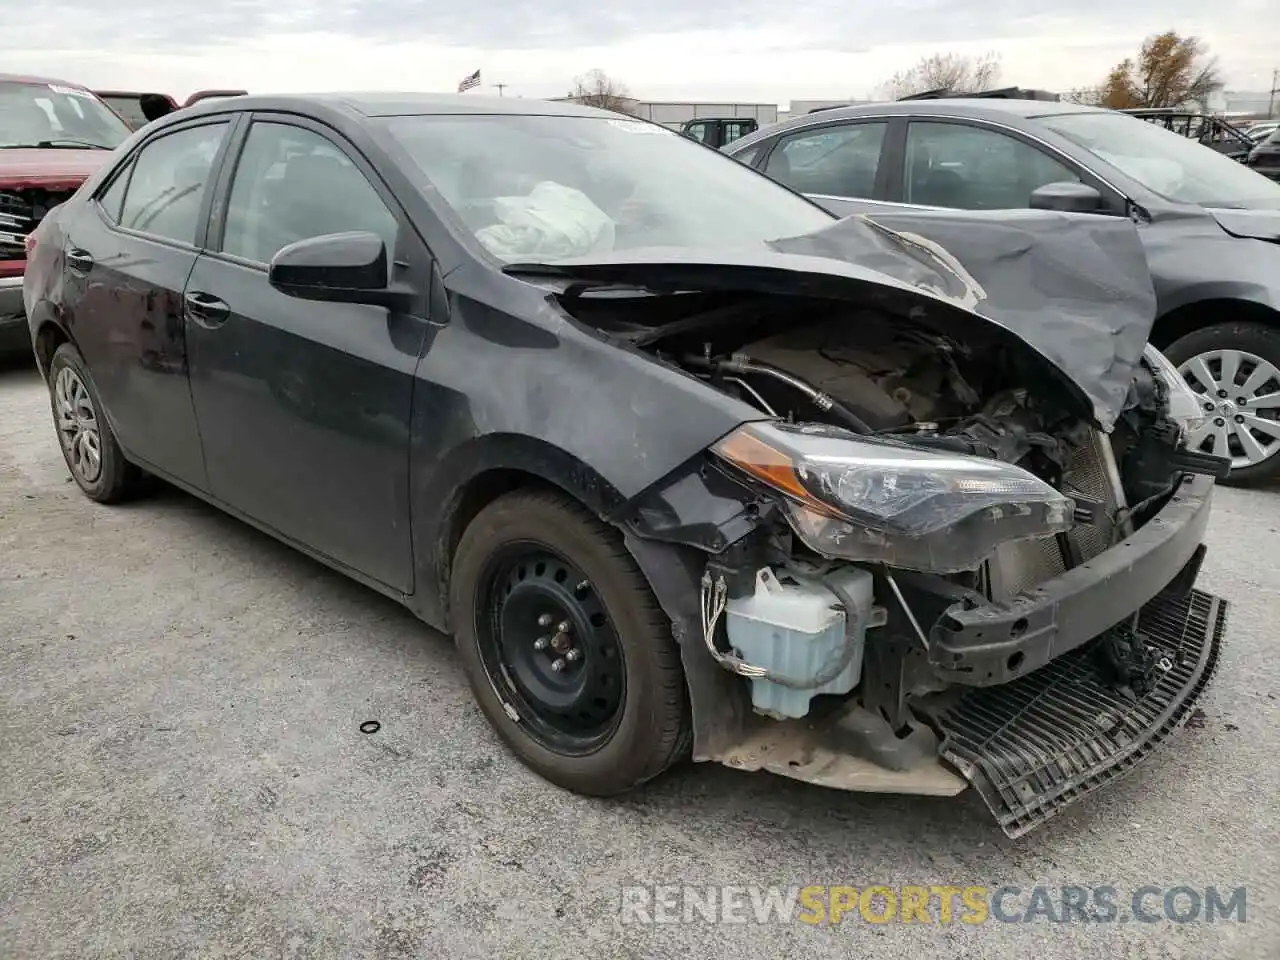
(1275, 88)
(501, 87)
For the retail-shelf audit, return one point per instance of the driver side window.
(292, 184)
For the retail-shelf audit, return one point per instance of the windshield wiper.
(57, 143)
(72, 142)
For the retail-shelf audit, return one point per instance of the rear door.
(129, 253)
(304, 407)
(834, 163)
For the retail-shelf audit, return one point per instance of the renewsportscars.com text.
(819, 905)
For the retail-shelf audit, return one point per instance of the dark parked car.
(1265, 157)
(547, 376)
(1211, 226)
(719, 131)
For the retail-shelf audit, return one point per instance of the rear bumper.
(996, 643)
(1034, 746)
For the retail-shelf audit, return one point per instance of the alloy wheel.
(77, 426)
(550, 650)
(1239, 394)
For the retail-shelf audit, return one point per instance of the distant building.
(674, 113)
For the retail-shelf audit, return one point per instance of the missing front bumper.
(1034, 746)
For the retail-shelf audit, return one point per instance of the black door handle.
(206, 309)
(80, 261)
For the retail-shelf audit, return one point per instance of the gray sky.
(662, 49)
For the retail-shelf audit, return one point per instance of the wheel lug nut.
(558, 665)
(564, 626)
(544, 620)
(573, 655)
(584, 585)
(1219, 422)
(541, 643)
(1241, 401)
(1239, 419)
(1222, 394)
(1208, 406)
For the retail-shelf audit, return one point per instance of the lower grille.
(21, 212)
(16, 222)
(1034, 746)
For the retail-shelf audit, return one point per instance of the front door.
(304, 407)
(130, 252)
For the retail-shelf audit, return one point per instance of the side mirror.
(338, 268)
(1066, 197)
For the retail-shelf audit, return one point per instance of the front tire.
(567, 651)
(88, 444)
(1235, 368)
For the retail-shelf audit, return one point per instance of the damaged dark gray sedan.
(687, 466)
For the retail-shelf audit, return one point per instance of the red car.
(53, 135)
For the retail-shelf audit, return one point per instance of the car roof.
(970, 106)
(995, 109)
(399, 104)
(38, 81)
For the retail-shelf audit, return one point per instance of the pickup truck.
(715, 132)
(53, 135)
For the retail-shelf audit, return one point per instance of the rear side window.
(110, 201)
(838, 161)
(168, 183)
(698, 131)
(292, 184)
(750, 155)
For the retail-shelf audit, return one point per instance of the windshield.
(548, 187)
(1172, 166)
(47, 114)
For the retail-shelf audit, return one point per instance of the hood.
(1250, 224)
(61, 169)
(1073, 287)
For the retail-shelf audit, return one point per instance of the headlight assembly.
(1184, 403)
(882, 501)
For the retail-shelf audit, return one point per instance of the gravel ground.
(182, 774)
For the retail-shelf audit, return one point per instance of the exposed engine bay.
(865, 635)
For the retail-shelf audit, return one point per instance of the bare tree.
(1170, 71)
(953, 72)
(596, 88)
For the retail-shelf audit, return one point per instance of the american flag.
(472, 80)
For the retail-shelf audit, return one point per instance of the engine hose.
(823, 401)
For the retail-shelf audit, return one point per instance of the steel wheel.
(78, 426)
(549, 649)
(1240, 394)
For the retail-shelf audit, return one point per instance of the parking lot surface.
(182, 775)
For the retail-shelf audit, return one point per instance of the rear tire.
(614, 712)
(1240, 362)
(88, 445)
